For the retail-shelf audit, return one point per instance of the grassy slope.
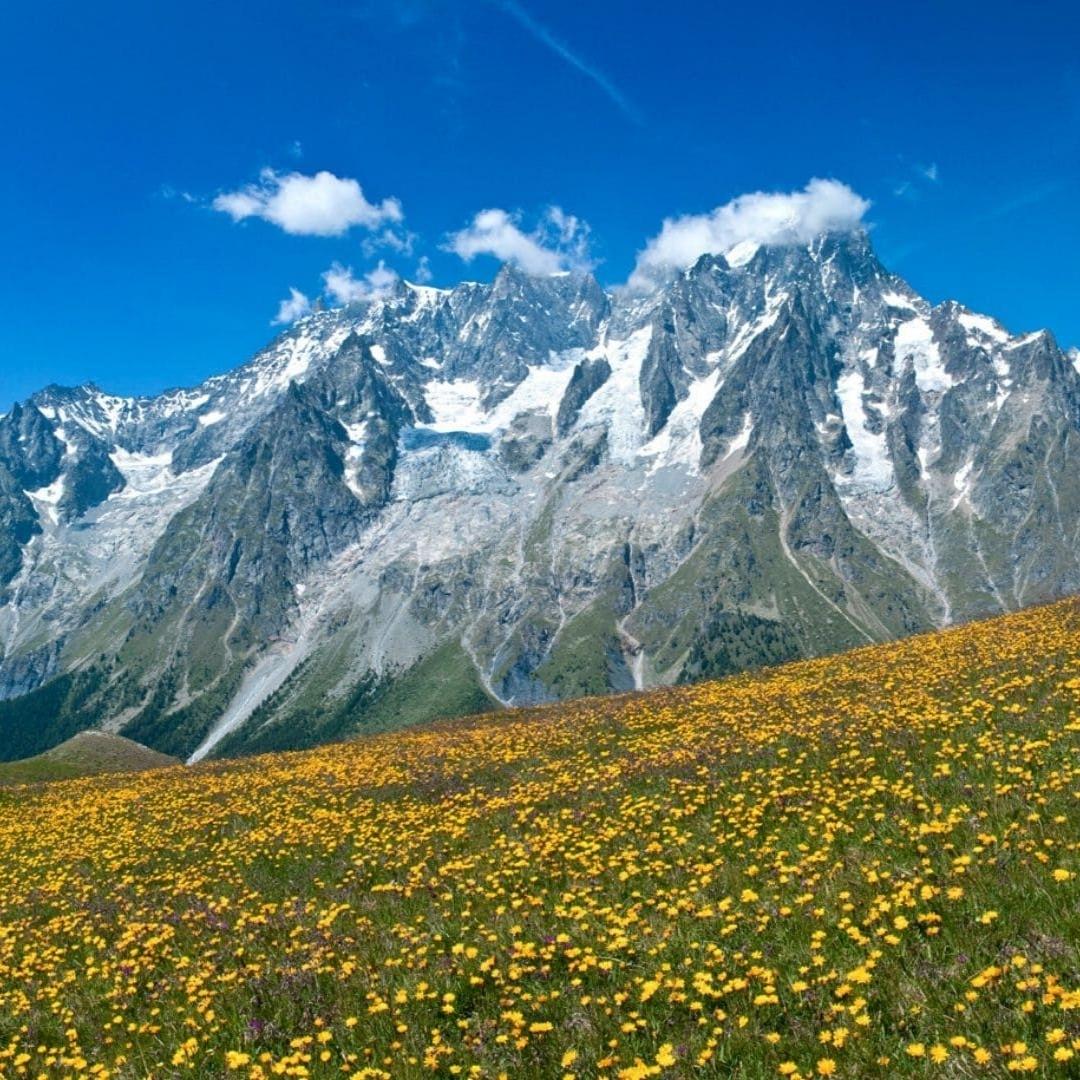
(90, 753)
(865, 865)
(440, 685)
(584, 657)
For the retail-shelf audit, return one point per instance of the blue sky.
(959, 123)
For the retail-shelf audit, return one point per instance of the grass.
(89, 753)
(585, 655)
(442, 684)
(858, 866)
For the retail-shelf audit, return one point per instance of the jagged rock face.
(589, 375)
(18, 525)
(29, 448)
(533, 489)
(276, 506)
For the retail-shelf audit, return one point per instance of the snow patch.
(457, 406)
(898, 300)
(678, 442)
(915, 344)
(47, 499)
(740, 441)
(288, 360)
(112, 407)
(144, 474)
(353, 456)
(215, 416)
(178, 401)
(617, 404)
(979, 326)
(741, 253)
(746, 334)
(1027, 339)
(873, 469)
(962, 483)
(426, 298)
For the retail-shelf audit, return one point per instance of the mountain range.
(437, 501)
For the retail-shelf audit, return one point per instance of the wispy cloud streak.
(1027, 198)
(564, 52)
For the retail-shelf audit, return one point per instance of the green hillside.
(89, 753)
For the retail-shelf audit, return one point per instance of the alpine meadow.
(539, 541)
(856, 866)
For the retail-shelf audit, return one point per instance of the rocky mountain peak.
(540, 488)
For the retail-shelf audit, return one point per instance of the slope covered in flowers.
(856, 866)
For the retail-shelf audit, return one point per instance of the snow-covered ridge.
(981, 328)
(751, 363)
(457, 402)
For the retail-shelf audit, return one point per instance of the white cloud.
(398, 240)
(295, 306)
(559, 242)
(319, 205)
(760, 217)
(343, 287)
(568, 234)
(423, 273)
